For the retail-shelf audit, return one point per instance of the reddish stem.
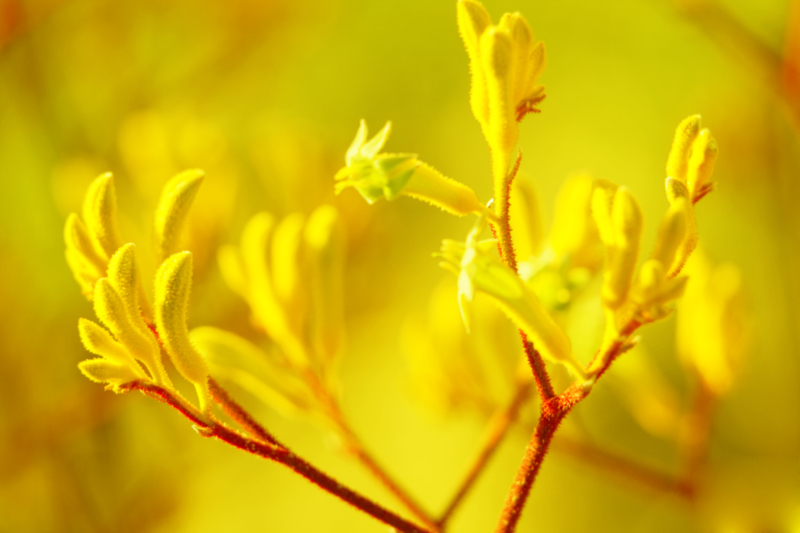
(503, 230)
(315, 476)
(330, 406)
(238, 413)
(540, 375)
(278, 453)
(622, 467)
(497, 428)
(553, 412)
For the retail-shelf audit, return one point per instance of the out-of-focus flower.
(713, 331)
(479, 269)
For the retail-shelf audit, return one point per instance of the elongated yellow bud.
(123, 274)
(701, 164)
(672, 232)
(267, 311)
(526, 219)
(100, 215)
(473, 20)
(232, 270)
(287, 271)
(99, 341)
(678, 194)
(431, 186)
(172, 288)
(574, 233)
(506, 64)
(105, 371)
(112, 312)
(77, 238)
(176, 199)
(497, 54)
(602, 203)
(324, 238)
(685, 134)
(626, 220)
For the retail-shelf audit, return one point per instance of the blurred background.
(266, 97)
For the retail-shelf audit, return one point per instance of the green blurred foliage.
(265, 97)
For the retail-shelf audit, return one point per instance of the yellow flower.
(506, 64)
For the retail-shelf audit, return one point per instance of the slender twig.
(553, 412)
(621, 467)
(280, 454)
(357, 449)
(696, 437)
(239, 414)
(503, 229)
(540, 375)
(779, 72)
(332, 409)
(495, 431)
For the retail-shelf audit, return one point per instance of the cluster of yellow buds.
(130, 344)
(505, 62)
(92, 241)
(377, 176)
(646, 297)
(290, 273)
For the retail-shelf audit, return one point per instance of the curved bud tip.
(173, 207)
(685, 134)
(627, 218)
(473, 19)
(100, 212)
(173, 279)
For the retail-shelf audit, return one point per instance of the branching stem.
(278, 453)
(497, 428)
(553, 411)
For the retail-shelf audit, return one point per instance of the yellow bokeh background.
(266, 97)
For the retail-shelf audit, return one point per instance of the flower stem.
(621, 467)
(553, 411)
(332, 409)
(495, 431)
(503, 207)
(238, 413)
(278, 453)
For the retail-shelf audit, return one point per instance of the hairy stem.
(278, 453)
(239, 414)
(503, 207)
(553, 411)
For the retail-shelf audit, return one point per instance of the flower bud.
(176, 199)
